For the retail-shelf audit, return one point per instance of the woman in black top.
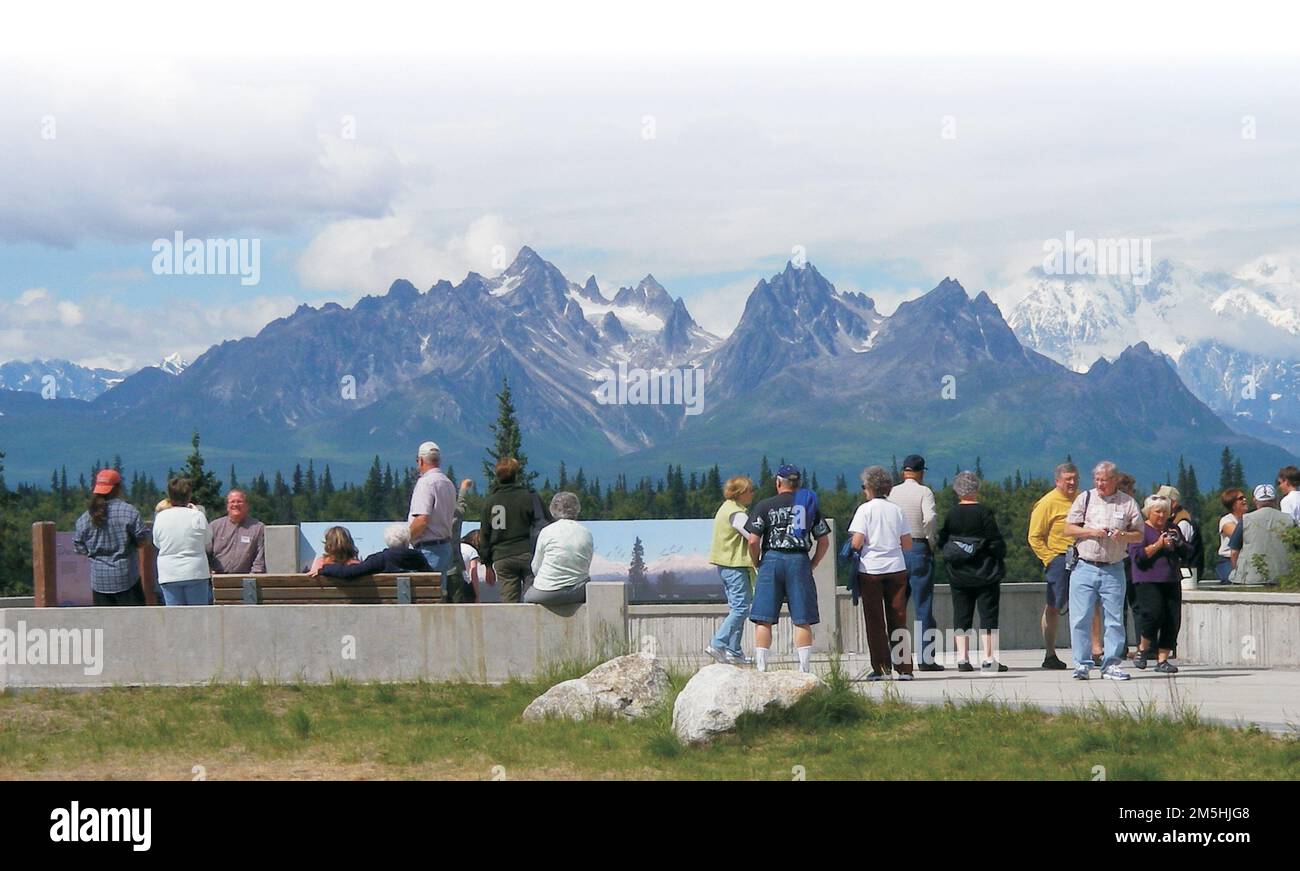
(973, 550)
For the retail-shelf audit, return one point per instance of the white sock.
(805, 659)
(760, 658)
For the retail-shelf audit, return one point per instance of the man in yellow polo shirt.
(1049, 542)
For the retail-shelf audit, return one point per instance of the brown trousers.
(884, 604)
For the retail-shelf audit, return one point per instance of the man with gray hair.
(1103, 522)
(432, 513)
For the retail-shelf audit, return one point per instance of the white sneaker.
(1114, 672)
(716, 655)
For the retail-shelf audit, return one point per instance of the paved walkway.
(1268, 697)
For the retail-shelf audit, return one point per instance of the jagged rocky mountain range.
(1234, 337)
(68, 380)
(810, 373)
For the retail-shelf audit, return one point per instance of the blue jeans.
(198, 592)
(440, 559)
(920, 578)
(739, 595)
(1223, 569)
(1088, 583)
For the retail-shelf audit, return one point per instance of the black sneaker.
(929, 666)
(1140, 658)
(1166, 667)
(965, 665)
(1054, 663)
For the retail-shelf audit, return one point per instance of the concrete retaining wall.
(492, 643)
(312, 643)
(1241, 629)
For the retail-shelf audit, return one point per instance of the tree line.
(311, 494)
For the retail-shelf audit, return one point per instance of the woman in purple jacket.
(1158, 584)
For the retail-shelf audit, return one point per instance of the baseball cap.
(106, 480)
(914, 463)
(788, 472)
(1262, 492)
(427, 448)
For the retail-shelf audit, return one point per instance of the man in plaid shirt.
(110, 533)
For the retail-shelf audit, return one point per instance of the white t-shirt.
(882, 523)
(1291, 505)
(467, 554)
(1225, 537)
(181, 536)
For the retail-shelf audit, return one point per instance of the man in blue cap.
(784, 528)
(917, 502)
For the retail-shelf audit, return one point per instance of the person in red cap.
(110, 532)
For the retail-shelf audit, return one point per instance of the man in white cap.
(1258, 553)
(433, 506)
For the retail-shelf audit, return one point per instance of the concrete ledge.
(18, 602)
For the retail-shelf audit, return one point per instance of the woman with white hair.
(974, 551)
(562, 560)
(398, 556)
(1158, 582)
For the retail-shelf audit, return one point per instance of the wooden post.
(45, 575)
(148, 556)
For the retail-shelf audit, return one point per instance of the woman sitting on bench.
(398, 556)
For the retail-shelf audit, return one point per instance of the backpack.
(850, 557)
(971, 562)
(1193, 554)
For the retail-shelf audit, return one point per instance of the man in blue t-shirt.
(785, 527)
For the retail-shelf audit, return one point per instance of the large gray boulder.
(628, 686)
(717, 695)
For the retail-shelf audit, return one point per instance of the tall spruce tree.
(206, 488)
(636, 576)
(507, 440)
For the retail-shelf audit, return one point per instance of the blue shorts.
(1057, 577)
(785, 577)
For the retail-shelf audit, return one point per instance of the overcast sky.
(707, 170)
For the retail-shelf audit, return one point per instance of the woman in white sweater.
(181, 535)
(562, 560)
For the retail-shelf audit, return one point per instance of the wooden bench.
(300, 589)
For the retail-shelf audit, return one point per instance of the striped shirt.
(114, 567)
(917, 502)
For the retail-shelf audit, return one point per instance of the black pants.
(1160, 613)
(131, 596)
(963, 606)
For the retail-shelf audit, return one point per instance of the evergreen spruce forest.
(310, 493)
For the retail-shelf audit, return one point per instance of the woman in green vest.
(730, 553)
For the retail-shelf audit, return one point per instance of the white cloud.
(125, 336)
(365, 255)
(718, 309)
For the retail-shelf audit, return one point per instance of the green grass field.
(463, 731)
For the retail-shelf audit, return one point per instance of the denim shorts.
(1057, 577)
(785, 577)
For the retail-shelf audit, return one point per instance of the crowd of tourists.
(1104, 558)
(533, 552)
